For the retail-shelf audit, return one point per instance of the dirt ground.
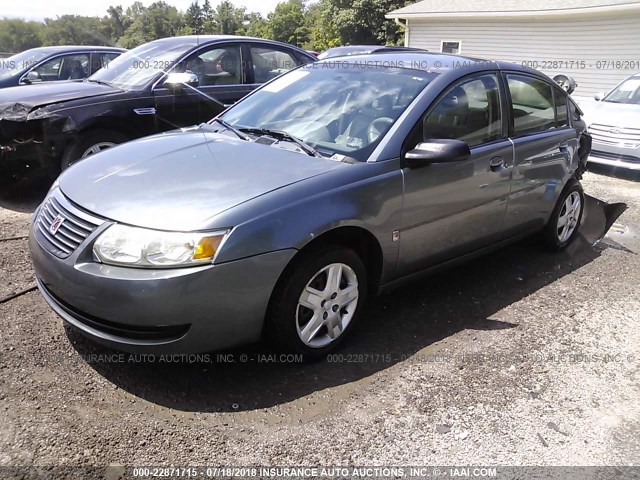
(520, 358)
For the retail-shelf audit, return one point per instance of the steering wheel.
(377, 127)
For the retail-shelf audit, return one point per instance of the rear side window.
(469, 111)
(107, 57)
(562, 117)
(532, 102)
(268, 63)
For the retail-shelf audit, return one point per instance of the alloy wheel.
(97, 148)
(327, 305)
(569, 216)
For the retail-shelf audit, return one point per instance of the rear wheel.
(319, 302)
(566, 217)
(93, 143)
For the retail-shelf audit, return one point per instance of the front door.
(454, 208)
(221, 82)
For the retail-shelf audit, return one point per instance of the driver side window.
(68, 67)
(469, 111)
(219, 65)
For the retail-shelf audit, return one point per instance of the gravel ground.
(521, 358)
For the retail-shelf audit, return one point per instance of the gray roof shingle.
(454, 7)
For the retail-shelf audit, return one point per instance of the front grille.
(73, 225)
(615, 136)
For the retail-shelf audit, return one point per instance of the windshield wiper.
(282, 135)
(101, 82)
(230, 127)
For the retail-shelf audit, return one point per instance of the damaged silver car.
(283, 214)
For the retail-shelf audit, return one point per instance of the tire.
(287, 318)
(558, 236)
(97, 138)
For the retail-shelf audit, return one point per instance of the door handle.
(496, 164)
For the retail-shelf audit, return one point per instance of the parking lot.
(522, 357)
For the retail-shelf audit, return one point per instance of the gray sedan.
(614, 123)
(319, 189)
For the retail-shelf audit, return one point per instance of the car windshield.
(21, 61)
(627, 92)
(343, 109)
(133, 70)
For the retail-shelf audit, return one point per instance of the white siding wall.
(593, 39)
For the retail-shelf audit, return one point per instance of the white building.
(597, 42)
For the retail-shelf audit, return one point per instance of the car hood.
(17, 102)
(615, 114)
(180, 180)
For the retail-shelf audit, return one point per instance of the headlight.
(140, 247)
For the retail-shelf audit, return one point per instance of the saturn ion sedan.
(287, 211)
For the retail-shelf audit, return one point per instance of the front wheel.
(566, 217)
(93, 143)
(320, 302)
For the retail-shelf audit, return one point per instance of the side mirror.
(568, 84)
(437, 151)
(31, 77)
(176, 81)
(598, 96)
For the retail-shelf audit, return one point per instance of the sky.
(40, 9)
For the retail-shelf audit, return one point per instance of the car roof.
(81, 48)
(204, 39)
(355, 49)
(372, 48)
(428, 61)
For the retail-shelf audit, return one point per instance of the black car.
(348, 50)
(51, 64)
(161, 85)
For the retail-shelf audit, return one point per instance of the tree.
(159, 20)
(228, 19)
(117, 19)
(193, 18)
(208, 19)
(255, 25)
(287, 22)
(364, 22)
(323, 33)
(312, 24)
(76, 30)
(132, 21)
(18, 35)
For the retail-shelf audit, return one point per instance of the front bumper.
(30, 154)
(186, 310)
(617, 162)
(615, 156)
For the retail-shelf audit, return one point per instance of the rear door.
(544, 145)
(454, 208)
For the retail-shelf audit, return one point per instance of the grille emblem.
(615, 131)
(55, 225)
